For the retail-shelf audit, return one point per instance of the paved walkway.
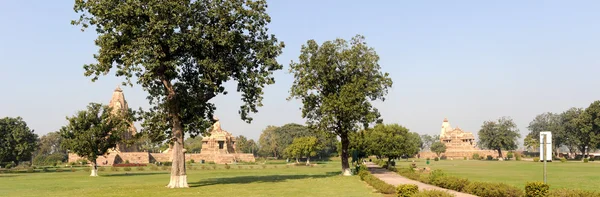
(395, 179)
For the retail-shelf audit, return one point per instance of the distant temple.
(218, 147)
(459, 144)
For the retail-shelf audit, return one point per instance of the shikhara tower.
(119, 105)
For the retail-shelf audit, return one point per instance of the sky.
(468, 61)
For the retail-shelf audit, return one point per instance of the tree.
(427, 141)
(498, 135)
(92, 132)
(392, 141)
(336, 83)
(588, 123)
(182, 52)
(304, 146)
(268, 142)
(548, 122)
(569, 120)
(193, 145)
(531, 142)
(49, 151)
(438, 148)
(17, 141)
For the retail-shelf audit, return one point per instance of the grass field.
(274, 180)
(579, 175)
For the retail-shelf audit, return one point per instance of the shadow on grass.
(259, 179)
(8, 175)
(135, 174)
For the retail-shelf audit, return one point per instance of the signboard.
(548, 145)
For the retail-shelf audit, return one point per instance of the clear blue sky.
(469, 61)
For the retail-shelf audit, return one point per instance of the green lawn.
(579, 175)
(275, 180)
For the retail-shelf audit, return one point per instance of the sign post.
(545, 150)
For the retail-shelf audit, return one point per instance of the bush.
(484, 189)
(563, 160)
(475, 156)
(510, 155)
(517, 156)
(435, 174)
(30, 170)
(433, 193)
(214, 167)
(585, 160)
(8, 166)
(592, 158)
(73, 170)
(126, 161)
(192, 161)
(101, 169)
(436, 159)
(406, 190)
(45, 169)
(140, 168)
(489, 157)
(443, 157)
(536, 189)
(571, 193)
(59, 169)
(227, 166)
(165, 167)
(464, 158)
(450, 182)
(127, 169)
(82, 161)
(211, 162)
(129, 164)
(536, 159)
(154, 168)
(168, 163)
(376, 183)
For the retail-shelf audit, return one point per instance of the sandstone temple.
(459, 143)
(218, 147)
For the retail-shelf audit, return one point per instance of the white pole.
(545, 158)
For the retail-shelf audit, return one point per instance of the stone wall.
(460, 154)
(144, 157)
(133, 157)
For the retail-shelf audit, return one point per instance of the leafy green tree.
(588, 123)
(499, 135)
(182, 52)
(427, 141)
(438, 148)
(392, 141)
(530, 142)
(17, 141)
(303, 146)
(569, 120)
(548, 122)
(268, 142)
(92, 132)
(49, 151)
(336, 83)
(242, 144)
(193, 145)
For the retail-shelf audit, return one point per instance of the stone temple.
(218, 147)
(459, 143)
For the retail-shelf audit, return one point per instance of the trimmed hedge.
(406, 190)
(450, 182)
(536, 189)
(377, 183)
(484, 189)
(572, 193)
(129, 164)
(433, 193)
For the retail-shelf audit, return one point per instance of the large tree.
(268, 142)
(499, 135)
(182, 52)
(589, 128)
(548, 122)
(17, 141)
(438, 148)
(50, 151)
(427, 141)
(570, 129)
(392, 141)
(92, 132)
(303, 147)
(336, 83)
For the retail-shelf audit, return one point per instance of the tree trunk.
(94, 168)
(308, 160)
(297, 160)
(178, 174)
(345, 164)
(500, 153)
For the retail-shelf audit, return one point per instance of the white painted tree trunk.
(307, 161)
(94, 169)
(347, 172)
(178, 174)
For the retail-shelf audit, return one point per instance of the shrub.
(127, 169)
(101, 169)
(168, 163)
(406, 190)
(140, 168)
(536, 159)
(489, 157)
(82, 161)
(59, 169)
(536, 189)
(192, 161)
(436, 159)
(154, 168)
(517, 156)
(126, 161)
(227, 166)
(203, 167)
(214, 167)
(450, 182)
(563, 160)
(164, 168)
(30, 170)
(592, 158)
(433, 193)
(45, 169)
(73, 170)
(464, 158)
(443, 157)
(510, 155)
(484, 189)
(571, 193)
(114, 169)
(378, 184)
(475, 156)
(585, 160)
(211, 162)
(481, 157)
(8, 166)
(129, 164)
(435, 174)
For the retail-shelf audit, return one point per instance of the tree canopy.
(303, 147)
(336, 83)
(50, 151)
(17, 141)
(392, 141)
(92, 132)
(438, 148)
(274, 140)
(181, 52)
(588, 133)
(499, 135)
